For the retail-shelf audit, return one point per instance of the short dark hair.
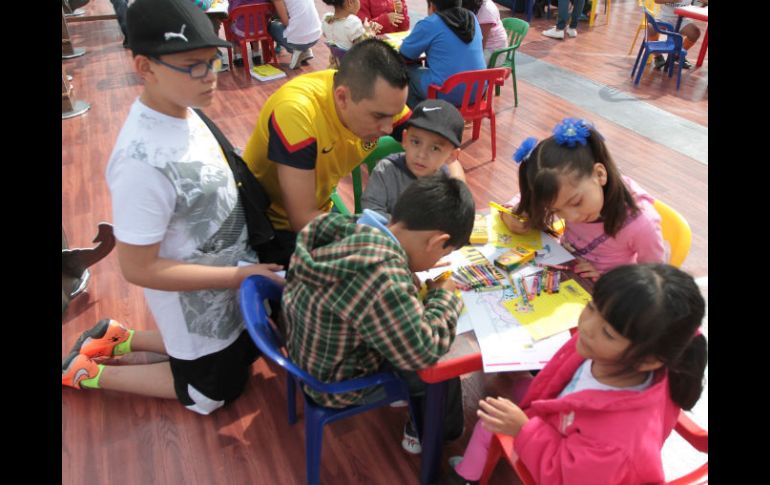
(364, 63)
(472, 5)
(335, 3)
(442, 5)
(659, 308)
(437, 203)
(539, 181)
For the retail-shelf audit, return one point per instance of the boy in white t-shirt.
(179, 225)
(297, 28)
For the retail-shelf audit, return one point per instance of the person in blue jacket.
(450, 37)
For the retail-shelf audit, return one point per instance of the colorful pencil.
(442, 277)
(562, 267)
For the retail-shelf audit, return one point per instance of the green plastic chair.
(515, 29)
(386, 145)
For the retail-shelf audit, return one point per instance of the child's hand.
(586, 270)
(447, 284)
(499, 415)
(372, 27)
(395, 18)
(515, 225)
(267, 270)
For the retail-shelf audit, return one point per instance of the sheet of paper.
(505, 344)
(550, 314)
(502, 237)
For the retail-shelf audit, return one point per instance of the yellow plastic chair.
(676, 232)
(652, 7)
(592, 17)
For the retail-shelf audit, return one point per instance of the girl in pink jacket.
(610, 220)
(601, 409)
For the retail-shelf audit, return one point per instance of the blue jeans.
(277, 29)
(416, 94)
(577, 9)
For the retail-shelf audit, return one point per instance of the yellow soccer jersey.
(298, 126)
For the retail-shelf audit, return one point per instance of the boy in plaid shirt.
(351, 304)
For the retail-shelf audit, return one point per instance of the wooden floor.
(111, 438)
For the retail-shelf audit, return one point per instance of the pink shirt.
(489, 14)
(639, 241)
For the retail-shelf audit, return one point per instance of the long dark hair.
(658, 308)
(539, 182)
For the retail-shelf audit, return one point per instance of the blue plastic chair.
(255, 290)
(672, 45)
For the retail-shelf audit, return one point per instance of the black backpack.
(253, 197)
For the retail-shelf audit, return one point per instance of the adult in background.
(393, 15)
(316, 128)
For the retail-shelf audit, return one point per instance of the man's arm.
(298, 193)
(142, 266)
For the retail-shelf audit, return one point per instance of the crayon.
(538, 283)
(523, 291)
(556, 282)
(507, 211)
(549, 282)
(442, 277)
(562, 267)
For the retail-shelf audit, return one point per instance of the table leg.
(432, 432)
(678, 24)
(703, 48)
(592, 17)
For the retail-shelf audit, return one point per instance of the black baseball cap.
(159, 27)
(440, 117)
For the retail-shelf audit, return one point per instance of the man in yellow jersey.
(316, 128)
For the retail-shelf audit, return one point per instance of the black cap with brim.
(160, 27)
(440, 117)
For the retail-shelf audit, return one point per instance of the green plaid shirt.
(350, 303)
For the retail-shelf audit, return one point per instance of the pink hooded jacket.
(590, 437)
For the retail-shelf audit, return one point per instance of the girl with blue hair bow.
(610, 220)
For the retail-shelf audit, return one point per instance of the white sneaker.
(295, 59)
(411, 443)
(306, 55)
(399, 404)
(554, 33)
(572, 32)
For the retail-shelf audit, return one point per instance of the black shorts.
(209, 382)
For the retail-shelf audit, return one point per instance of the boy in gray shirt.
(431, 140)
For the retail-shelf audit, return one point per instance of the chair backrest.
(697, 437)
(251, 20)
(386, 145)
(663, 28)
(337, 51)
(255, 290)
(676, 232)
(478, 87)
(515, 29)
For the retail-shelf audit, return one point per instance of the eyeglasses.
(199, 70)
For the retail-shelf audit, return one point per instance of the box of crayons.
(512, 259)
(480, 234)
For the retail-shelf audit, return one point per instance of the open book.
(266, 72)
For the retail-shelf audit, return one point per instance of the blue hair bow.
(525, 149)
(571, 131)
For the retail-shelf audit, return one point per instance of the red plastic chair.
(502, 447)
(479, 85)
(256, 18)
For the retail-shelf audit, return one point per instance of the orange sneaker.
(76, 368)
(100, 341)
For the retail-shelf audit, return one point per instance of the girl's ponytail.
(685, 376)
